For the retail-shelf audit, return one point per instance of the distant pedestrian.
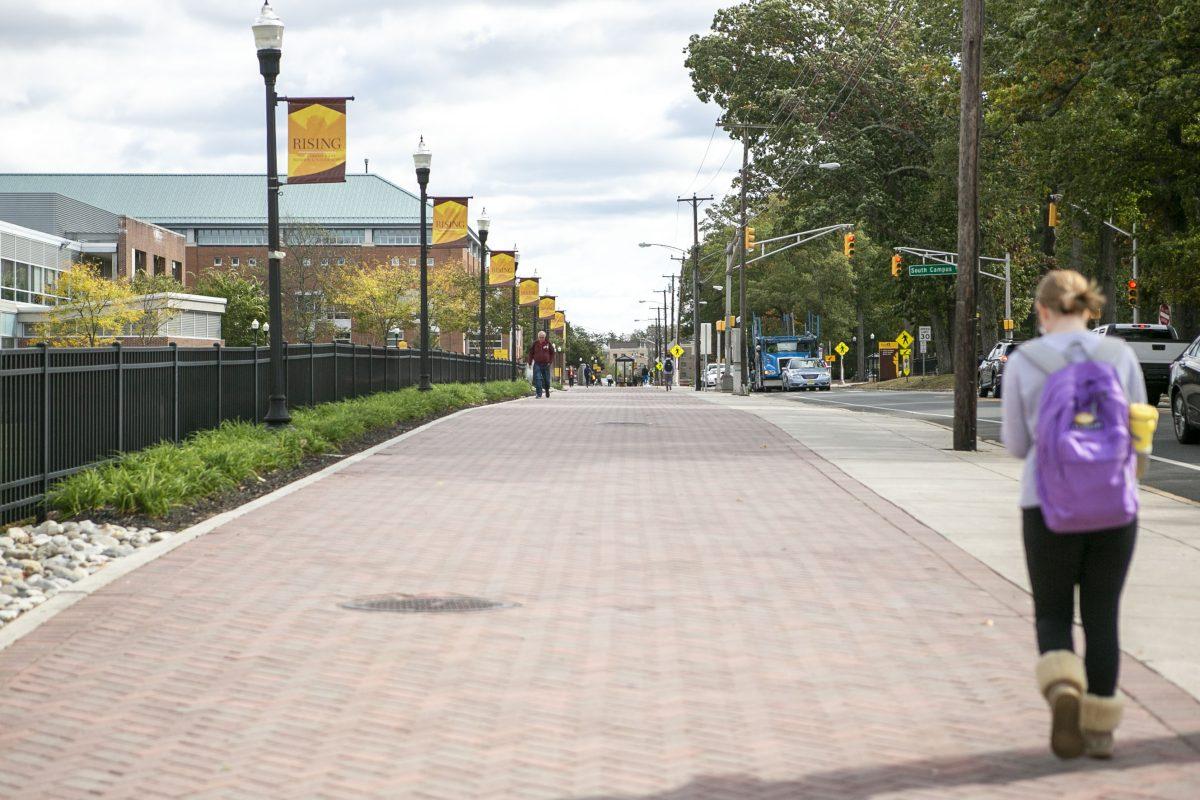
(587, 374)
(668, 372)
(645, 375)
(1068, 400)
(570, 377)
(541, 356)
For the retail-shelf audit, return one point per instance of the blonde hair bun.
(1067, 292)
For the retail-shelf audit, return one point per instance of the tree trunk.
(942, 346)
(1076, 262)
(1107, 273)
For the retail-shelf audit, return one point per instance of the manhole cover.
(428, 604)
(623, 423)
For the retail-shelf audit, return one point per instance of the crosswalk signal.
(848, 245)
(1131, 292)
(897, 265)
(749, 238)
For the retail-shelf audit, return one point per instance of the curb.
(114, 570)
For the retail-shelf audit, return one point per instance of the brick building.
(218, 222)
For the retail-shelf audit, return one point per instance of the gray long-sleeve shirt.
(1023, 383)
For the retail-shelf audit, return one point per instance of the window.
(177, 270)
(395, 236)
(253, 262)
(341, 262)
(231, 236)
(160, 265)
(216, 261)
(235, 261)
(429, 261)
(395, 261)
(412, 262)
(324, 262)
(334, 236)
(139, 262)
(307, 262)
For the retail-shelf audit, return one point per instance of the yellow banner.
(527, 292)
(559, 321)
(449, 222)
(546, 307)
(502, 268)
(316, 140)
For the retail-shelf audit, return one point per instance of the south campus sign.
(924, 270)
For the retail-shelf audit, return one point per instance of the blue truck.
(772, 353)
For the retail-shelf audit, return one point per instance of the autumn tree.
(379, 298)
(96, 310)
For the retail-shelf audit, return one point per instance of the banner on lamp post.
(527, 292)
(449, 222)
(558, 321)
(546, 307)
(502, 268)
(316, 140)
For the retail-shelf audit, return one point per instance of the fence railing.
(65, 409)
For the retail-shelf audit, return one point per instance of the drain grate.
(423, 604)
(623, 423)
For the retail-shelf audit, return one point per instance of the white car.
(806, 373)
(713, 373)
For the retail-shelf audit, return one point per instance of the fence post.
(287, 357)
(370, 369)
(256, 380)
(220, 385)
(175, 390)
(45, 425)
(312, 373)
(336, 396)
(354, 368)
(120, 397)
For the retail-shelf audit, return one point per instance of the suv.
(1156, 347)
(1184, 393)
(991, 369)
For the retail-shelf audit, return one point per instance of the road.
(1176, 467)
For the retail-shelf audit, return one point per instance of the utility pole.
(968, 228)
(727, 374)
(741, 246)
(672, 327)
(695, 201)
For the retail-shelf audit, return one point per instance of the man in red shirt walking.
(541, 356)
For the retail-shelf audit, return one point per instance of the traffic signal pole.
(696, 201)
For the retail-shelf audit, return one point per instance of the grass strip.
(165, 476)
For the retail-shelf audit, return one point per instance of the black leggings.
(1097, 562)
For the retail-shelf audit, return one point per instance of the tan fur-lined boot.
(1063, 682)
(1098, 718)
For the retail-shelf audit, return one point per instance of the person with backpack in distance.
(541, 356)
(1070, 400)
(668, 372)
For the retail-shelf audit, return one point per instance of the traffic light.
(1131, 293)
(1052, 216)
(897, 265)
(749, 238)
(848, 245)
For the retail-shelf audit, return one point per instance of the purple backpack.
(1086, 466)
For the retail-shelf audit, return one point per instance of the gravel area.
(38, 562)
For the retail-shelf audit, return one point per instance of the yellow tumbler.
(1143, 419)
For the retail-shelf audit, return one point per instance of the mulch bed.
(186, 516)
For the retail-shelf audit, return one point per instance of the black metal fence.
(65, 409)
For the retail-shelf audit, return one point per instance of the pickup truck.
(1157, 347)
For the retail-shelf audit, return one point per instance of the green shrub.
(165, 476)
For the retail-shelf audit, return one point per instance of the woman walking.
(1068, 397)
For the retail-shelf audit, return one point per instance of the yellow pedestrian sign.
(676, 351)
(658, 365)
(829, 359)
(842, 349)
(905, 338)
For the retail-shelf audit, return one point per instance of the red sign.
(1164, 314)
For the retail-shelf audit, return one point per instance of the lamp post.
(254, 326)
(512, 333)
(483, 224)
(268, 39)
(422, 160)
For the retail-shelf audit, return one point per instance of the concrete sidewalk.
(706, 609)
(971, 499)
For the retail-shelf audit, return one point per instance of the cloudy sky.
(573, 121)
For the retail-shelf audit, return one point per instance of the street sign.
(829, 359)
(925, 333)
(1164, 314)
(500, 354)
(676, 351)
(658, 365)
(924, 347)
(842, 349)
(904, 339)
(924, 270)
(889, 345)
(905, 352)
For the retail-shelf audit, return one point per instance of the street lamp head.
(643, 244)
(254, 325)
(829, 165)
(422, 159)
(718, 287)
(266, 327)
(268, 29)
(484, 221)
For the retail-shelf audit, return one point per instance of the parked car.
(991, 369)
(805, 373)
(1157, 347)
(713, 373)
(1184, 394)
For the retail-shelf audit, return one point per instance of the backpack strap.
(1111, 350)
(1047, 360)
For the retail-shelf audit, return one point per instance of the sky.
(572, 121)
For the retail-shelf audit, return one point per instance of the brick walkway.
(708, 610)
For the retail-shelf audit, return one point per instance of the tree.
(245, 301)
(380, 298)
(309, 277)
(453, 299)
(95, 312)
(154, 308)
